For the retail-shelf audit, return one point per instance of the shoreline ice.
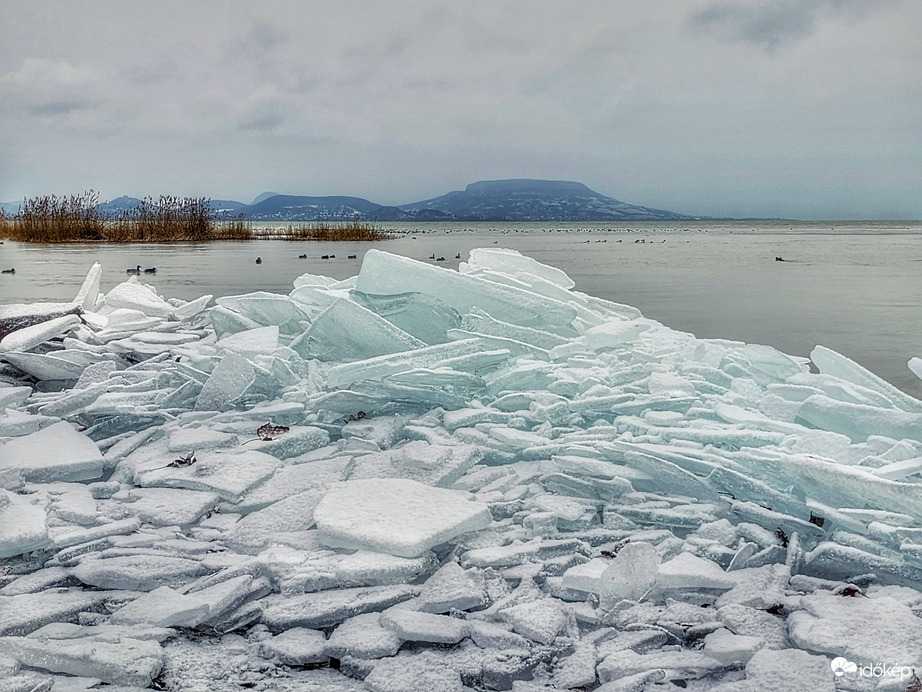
(421, 478)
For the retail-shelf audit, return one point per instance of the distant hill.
(487, 200)
(534, 200)
(301, 208)
(123, 204)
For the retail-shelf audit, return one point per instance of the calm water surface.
(853, 287)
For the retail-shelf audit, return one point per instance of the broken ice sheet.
(55, 453)
(689, 452)
(347, 331)
(396, 516)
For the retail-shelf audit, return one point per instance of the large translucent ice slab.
(116, 660)
(832, 363)
(251, 342)
(851, 486)
(55, 453)
(514, 263)
(383, 273)
(480, 322)
(342, 376)
(348, 331)
(396, 516)
(227, 321)
(230, 379)
(859, 422)
(425, 317)
(267, 309)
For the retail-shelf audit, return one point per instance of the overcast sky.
(779, 108)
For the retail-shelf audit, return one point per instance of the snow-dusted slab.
(162, 607)
(363, 636)
(631, 575)
(452, 587)
(22, 524)
(55, 453)
(687, 571)
(116, 660)
(328, 608)
(229, 474)
(863, 630)
(540, 620)
(412, 625)
(136, 296)
(25, 613)
(396, 516)
(138, 572)
(30, 337)
(295, 647)
(169, 506)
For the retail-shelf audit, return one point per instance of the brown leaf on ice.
(182, 462)
(269, 432)
(817, 520)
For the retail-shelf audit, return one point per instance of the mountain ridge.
(514, 199)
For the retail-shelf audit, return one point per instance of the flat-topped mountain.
(534, 200)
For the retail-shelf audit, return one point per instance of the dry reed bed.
(78, 219)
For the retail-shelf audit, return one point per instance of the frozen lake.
(852, 287)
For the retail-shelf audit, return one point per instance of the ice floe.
(422, 479)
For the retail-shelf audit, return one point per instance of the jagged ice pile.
(421, 480)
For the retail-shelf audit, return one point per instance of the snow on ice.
(422, 479)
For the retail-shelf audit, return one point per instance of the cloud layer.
(805, 108)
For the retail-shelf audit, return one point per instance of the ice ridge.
(421, 478)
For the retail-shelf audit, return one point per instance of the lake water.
(853, 287)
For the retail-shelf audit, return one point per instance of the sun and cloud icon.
(842, 666)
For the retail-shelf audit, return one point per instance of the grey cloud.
(772, 23)
(60, 107)
(264, 123)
